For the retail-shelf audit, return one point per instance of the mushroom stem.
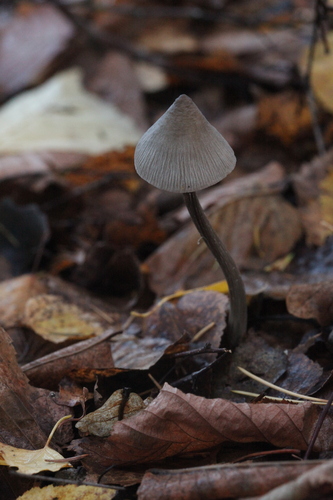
(238, 309)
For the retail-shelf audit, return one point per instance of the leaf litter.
(126, 308)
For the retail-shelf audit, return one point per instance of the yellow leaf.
(57, 321)
(219, 286)
(68, 492)
(321, 72)
(34, 461)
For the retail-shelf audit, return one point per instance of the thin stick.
(277, 388)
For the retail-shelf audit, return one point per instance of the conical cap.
(182, 152)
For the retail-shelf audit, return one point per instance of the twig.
(318, 426)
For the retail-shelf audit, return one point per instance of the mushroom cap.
(182, 152)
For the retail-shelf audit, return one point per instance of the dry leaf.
(31, 461)
(183, 424)
(321, 71)
(68, 492)
(312, 301)
(29, 44)
(284, 116)
(34, 461)
(220, 481)
(317, 483)
(44, 162)
(101, 422)
(61, 115)
(92, 354)
(27, 414)
(57, 321)
(256, 230)
(14, 295)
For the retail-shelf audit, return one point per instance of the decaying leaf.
(55, 320)
(24, 231)
(256, 230)
(61, 115)
(176, 424)
(101, 422)
(48, 33)
(68, 492)
(321, 71)
(27, 414)
(33, 461)
(220, 481)
(312, 301)
(284, 116)
(92, 354)
(14, 295)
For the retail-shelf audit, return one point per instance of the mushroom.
(183, 153)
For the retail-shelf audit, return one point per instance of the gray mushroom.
(183, 153)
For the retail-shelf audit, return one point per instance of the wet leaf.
(27, 414)
(284, 116)
(69, 492)
(101, 422)
(220, 481)
(48, 33)
(32, 461)
(176, 423)
(312, 301)
(57, 321)
(24, 231)
(321, 71)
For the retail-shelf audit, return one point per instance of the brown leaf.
(115, 80)
(317, 483)
(191, 313)
(91, 354)
(33, 163)
(312, 184)
(176, 424)
(256, 231)
(219, 481)
(101, 421)
(312, 301)
(44, 33)
(27, 414)
(284, 116)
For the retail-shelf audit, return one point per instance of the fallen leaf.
(101, 421)
(61, 115)
(116, 81)
(27, 414)
(256, 230)
(14, 295)
(57, 321)
(176, 424)
(69, 492)
(284, 116)
(317, 481)
(193, 312)
(321, 71)
(32, 461)
(43, 162)
(312, 301)
(44, 33)
(220, 481)
(92, 354)
(24, 231)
